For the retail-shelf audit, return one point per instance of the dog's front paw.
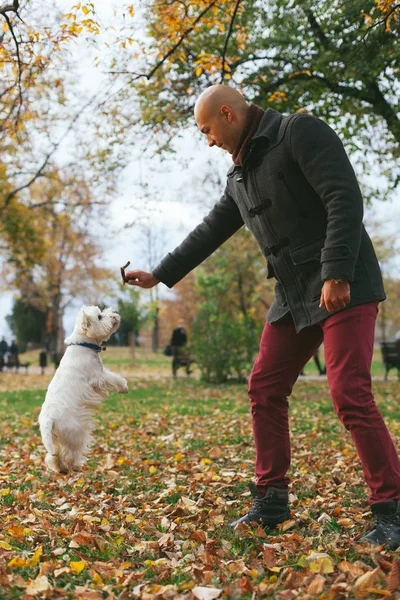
(124, 387)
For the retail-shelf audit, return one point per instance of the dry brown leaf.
(317, 585)
(37, 586)
(363, 585)
(350, 568)
(269, 557)
(287, 525)
(393, 583)
(215, 453)
(260, 532)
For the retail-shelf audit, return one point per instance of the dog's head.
(97, 324)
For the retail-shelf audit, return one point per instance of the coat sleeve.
(321, 156)
(219, 225)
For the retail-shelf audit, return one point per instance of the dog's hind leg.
(52, 458)
(46, 431)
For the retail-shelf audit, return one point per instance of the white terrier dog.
(79, 385)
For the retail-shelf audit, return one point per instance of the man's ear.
(227, 113)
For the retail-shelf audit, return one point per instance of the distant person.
(178, 346)
(43, 360)
(14, 354)
(3, 347)
(179, 336)
(3, 352)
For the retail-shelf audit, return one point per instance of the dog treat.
(124, 279)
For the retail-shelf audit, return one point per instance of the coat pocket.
(307, 258)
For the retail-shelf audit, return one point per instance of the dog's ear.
(85, 320)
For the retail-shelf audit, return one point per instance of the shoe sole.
(271, 523)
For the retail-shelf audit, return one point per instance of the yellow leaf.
(253, 573)
(322, 565)
(178, 456)
(198, 71)
(5, 546)
(34, 560)
(97, 579)
(129, 518)
(5, 492)
(152, 469)
(78, 566)
(85, 10)
(17, 562)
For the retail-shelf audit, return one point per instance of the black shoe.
(387, 525)
(268, 510)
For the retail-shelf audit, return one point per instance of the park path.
(164, 376)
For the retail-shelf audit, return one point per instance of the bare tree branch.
(9, 8)
(227, 39)
(19, 63)
(39, 172)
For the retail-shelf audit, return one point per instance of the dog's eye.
(100, 317)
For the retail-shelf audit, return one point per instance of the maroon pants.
(348, 338)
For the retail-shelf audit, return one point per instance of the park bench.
(12, 364)
(182, 357)
(391, 356)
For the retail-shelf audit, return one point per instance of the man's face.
(220, 130)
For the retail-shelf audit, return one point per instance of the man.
(3, 346)
(3, 352)
(293, 186)
(178, 343)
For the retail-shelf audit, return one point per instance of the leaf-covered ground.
(149, 516)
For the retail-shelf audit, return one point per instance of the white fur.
(79, 385)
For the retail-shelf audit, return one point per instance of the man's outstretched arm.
(219, 225)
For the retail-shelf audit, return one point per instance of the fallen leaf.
(215, 453)
(393, 583)
(205, 593)
(364, 583)
(38, 585)
(316, 586)
(78, 566)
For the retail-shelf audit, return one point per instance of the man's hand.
(335, 295)
(141, 279)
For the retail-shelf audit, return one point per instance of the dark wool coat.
(298, 194)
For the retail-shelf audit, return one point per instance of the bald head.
(220, 113)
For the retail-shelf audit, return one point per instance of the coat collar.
(269, 126)
(267, 129)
